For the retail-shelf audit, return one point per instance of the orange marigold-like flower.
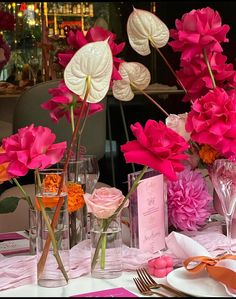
(208, 154)
(4, 176)
(51, 184)
(75, 197)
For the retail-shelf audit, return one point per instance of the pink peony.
(188, 200)
(59, 105)
(77, 40)
(104, 201)
(31, 148)
(212, 120)
(196, 78)
(196, 30)
(157, 147)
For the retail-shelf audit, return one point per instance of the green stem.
(209, 68)
(54, 242)
(72, 118)
(104, 244)
(109, 220)
(150, 98)
(168, 65)
(26, 196)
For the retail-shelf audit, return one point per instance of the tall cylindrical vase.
(51, 193)
(106, 248)
(76, 181)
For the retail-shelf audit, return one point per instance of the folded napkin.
(197, 258)
(21, 270)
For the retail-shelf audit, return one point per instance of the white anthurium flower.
(132, 73)
(93, 62)
(142, 27)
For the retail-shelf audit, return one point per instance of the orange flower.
(208, 154)
(4, 176)
(75, 197)
(51, 184)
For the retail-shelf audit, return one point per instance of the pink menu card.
(148, 212)
(116, 292)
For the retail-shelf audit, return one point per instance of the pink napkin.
(21, 270)
(183, 247)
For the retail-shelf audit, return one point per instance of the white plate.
(199, 285)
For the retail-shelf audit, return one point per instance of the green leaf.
(9, 204)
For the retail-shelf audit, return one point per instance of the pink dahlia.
(196, 79)
(158, 147)
(212, 120)
(77, 39)
(63, 99)
(188, 201)
(197, 30)
(31, 148)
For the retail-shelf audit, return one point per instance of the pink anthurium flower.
(31, 148)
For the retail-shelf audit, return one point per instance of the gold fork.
(144, 289)
(152, 284)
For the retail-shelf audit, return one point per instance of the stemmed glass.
(223, 176)
(34, 64)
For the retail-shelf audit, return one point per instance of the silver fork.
(144, 289)
(152, 284)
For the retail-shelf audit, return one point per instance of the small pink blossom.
(198, 29)
(59, 105)
(188, 201)
(212, 120)
(104, 201)
(77, 40)
(157, 147)
(31, 148)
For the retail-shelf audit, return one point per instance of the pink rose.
(212, 120)
(198, 29)
(104, 201)
(177, 123)
(157, 147)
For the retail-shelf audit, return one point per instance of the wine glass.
(223, 176)
(34, 64)
(92, 172)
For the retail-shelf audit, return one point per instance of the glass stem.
(228, 220)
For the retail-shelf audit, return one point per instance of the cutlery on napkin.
(184, 247)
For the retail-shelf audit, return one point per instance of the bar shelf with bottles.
(58, 25)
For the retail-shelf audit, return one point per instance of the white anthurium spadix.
(133, 74)
(92, 63)
(144, 27)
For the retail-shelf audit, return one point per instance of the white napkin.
(182, 247)
(21, 270)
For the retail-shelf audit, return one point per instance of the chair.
(28, 111)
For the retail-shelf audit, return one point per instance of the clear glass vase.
(51, 192)
(32, 231)
(106, 248)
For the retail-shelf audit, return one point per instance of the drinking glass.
(223, 176)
